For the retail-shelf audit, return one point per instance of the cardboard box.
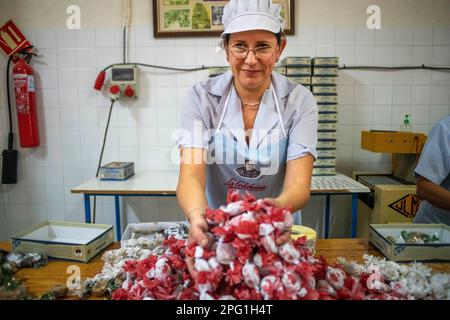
(116, 171)
(324, 90)
(324, 171)
(327, 126)
(325, 71)
(296, 61)
(325, 162)
(65, 240)
(323, 81)
(326, 143)
(327, 108)
(147, 228)
(328, 135)
(326, 99)
(327, 117)
(392, 141)
(326, 61)
(325, 153)
(304, 81)
(392, 203)
(298, 71)
(379, 233)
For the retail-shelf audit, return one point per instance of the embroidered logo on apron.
(249, 171)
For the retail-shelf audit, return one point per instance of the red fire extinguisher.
(25, 93)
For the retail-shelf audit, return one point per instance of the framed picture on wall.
(194, 18)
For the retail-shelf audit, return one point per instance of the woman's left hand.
(286, 235)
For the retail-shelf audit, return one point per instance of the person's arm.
(191, 192)
(296, 189)
(301, 153)
(434, 166)
(297, 183)
(433, 193)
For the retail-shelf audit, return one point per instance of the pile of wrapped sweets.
(146, 240)
(243, 261)
(10, 263)
(414, 237)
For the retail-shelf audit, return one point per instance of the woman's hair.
(224, 41)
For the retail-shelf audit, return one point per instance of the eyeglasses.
(261, 52)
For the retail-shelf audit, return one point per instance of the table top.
(142, 183)
(339, 183)
(165, 183)
(40, 281)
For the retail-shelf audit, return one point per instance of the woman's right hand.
(197, 234)
(198, 228)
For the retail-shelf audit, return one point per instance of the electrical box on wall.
(125, 81)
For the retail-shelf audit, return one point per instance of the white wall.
(72, 115)
(108, 13)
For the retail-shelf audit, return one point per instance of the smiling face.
(253, 71)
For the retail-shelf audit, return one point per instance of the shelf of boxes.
(324, 88)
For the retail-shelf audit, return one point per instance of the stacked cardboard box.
(297, 69)
(324, 88)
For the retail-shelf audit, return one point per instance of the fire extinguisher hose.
(9, 156)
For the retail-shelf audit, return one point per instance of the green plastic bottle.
(406, 125)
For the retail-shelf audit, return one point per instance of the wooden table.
(40, 281)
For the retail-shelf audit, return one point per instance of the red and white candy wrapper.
(214, 217)
(376, 282)
(162, 269)
(291, 281)
(324, 287)
(250, 273)
(271, 287)
(335, 277)
(225, 253)
(290, 253)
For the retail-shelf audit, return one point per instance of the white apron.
(232, 164)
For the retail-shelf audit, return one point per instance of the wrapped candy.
(290, 253)
(291, 281)
(335, 277)
(225, 253)
(376, 282)
(251, 275)
(271, 287)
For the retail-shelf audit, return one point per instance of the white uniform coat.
(285, 129)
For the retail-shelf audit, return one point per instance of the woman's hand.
(197, 234)
(198, 228)
(286, 235)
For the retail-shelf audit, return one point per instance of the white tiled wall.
(72, 115)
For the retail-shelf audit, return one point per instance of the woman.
(249, 129)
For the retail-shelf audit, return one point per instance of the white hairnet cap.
(245, 15)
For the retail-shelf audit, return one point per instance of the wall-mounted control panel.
(125, 81)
